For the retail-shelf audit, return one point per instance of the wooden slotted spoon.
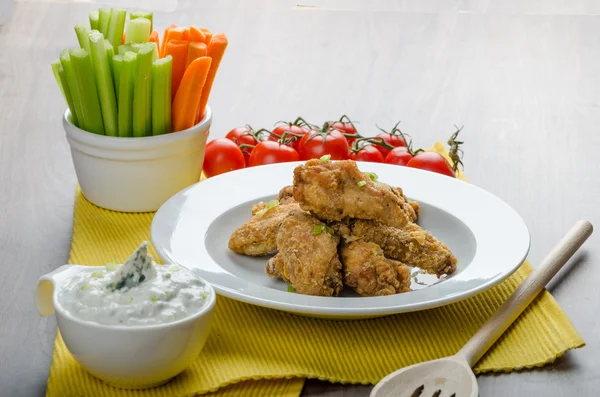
(452, 376)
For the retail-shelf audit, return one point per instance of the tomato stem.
(456, 153)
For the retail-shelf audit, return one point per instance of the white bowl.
(136, 174)
(131, 357)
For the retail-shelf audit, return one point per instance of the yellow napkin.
(262, 352)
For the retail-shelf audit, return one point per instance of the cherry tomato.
(399, 156)
(367, 153)
(329, 142)
(222, 155)
(243, 136)
(346, 128)
(392, 140)
(269, 152)
(289, 128)
(431, 161)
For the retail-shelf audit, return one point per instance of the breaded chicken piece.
(410, 245)
(335, 190)
(370, 273)
(286, 194)
(308, 257)
(258, 236)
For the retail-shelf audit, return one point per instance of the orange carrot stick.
(196, 34)
(186, 34)
(164, 42)
(123, 38)
(196, 49)
(183, 113)
(215, 51)
(154, 38)
(176, 34)
(179, 51)
(207, 34)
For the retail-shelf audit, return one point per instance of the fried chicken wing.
(286, 195)
(410, 245)
(258, 236)
(370, 273)
(335, 190)
(307, 256)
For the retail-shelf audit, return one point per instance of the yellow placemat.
(261, 352)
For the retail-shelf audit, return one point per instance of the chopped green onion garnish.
(322, 228)
(103, 20)
(167, 276)
(153, 298)
(325, 158)
(127, 300)
(98, 275)
(111, 266)
(204, 295)
(270, 204)
(374, 252)
(84, 287)
(372, 175)
(291, 289)
(104, 82)
(175, 268)
(361, 183)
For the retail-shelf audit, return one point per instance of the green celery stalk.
(110, 53)
(122, 49)
(142, 90)
(138, 30)
(88, 94)
(135, 47)
(61, 80)
(104, 83)
(82, 36)
(117, 63)
(142, 14)
(103, 20)
(94, 19)
(65, 60)
(161, 95)
(128, 70)
(116, 25)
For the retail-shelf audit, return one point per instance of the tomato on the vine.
(399, 156)
(394, 138)
(269, 152)
(346, 127)
(291, 131)
(222, 155)
(367, 153)
(322, 142)
(431, 161)
(246, 138)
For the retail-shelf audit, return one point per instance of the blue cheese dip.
(138, 292)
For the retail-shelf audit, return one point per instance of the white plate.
(487, 236)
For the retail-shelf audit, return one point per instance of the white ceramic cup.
(136, 174)
(130, 357)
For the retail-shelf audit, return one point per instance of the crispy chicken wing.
(410, 245)
(286, 194)
(335, 190)
(307, 257)
(370, 273)
(258, 236)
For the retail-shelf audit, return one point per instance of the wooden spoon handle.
(476, 347)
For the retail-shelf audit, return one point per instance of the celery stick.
(161, 95)
(82, 36)
(104, 82)
(61, 80)
(135, 47)
(87, 91)
(138, 30)
(142, 120)
(110, 53)
(128, 70)
(116, 25)
(117, 63)
(122, 49)
(65, 60)
(94, 19)
(103, 20)
(142, 14)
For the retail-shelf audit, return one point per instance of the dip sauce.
(131, 295)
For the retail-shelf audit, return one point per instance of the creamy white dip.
(139, 292)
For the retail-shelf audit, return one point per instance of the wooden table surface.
(523, 77)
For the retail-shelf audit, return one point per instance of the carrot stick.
(215, 50)
(154, 38)
(164, 42)
(196, 49)
(196, 34)
(186, 34)
(183, 112)
(123, 38)
(179, 51)
(176, 34)
(207, 35)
